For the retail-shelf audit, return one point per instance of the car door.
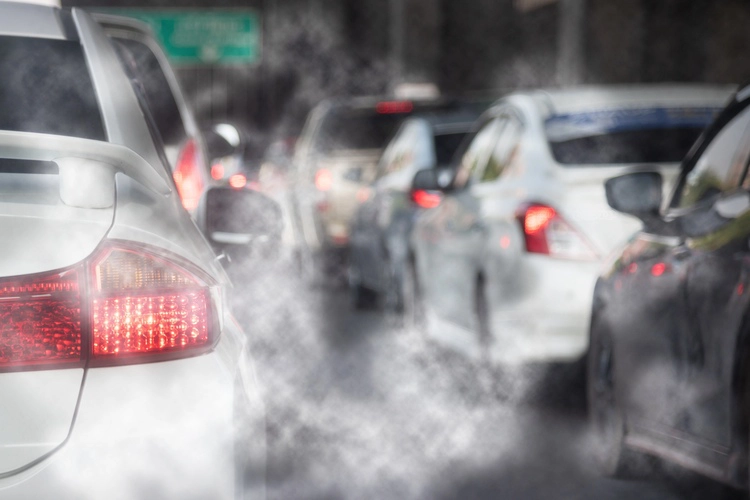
(718, 271)
(456, 234)
(374, 213)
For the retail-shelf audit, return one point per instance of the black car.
(669, 358)
(379, 246)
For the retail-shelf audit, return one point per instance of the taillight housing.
(188, 176)
(127, 304)
(547, 233)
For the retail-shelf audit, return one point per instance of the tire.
(605, 412)
(413, 307)
(361, 297)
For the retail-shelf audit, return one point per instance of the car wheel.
(413, 307)
(362, 297)
(488, 380)
(605, 414)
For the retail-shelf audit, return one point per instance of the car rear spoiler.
(87, 167)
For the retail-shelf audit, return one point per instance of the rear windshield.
(654, 135)
(446, 146)
(356, 129)
(47, 88)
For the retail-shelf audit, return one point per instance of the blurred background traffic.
(424, 219)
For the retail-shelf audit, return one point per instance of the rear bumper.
(548, 319)
(159, 430)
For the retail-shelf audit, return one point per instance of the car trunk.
(350, 172)
(585, 204)
(41, 235)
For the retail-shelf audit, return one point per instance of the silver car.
(122, 371)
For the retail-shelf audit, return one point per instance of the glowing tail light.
(238, 181)
(187, 175)
(323, 179)
(40, 320)
(140, 306)
(426, 199)
(546, 232)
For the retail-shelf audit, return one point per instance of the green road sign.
(211, 36)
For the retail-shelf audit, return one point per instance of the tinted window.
(721, 165)
(143, 67)
(355, 129)
(47, 88)
(655, 135)
(476, 156)
(504, 151)
(446, 146)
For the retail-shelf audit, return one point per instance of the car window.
(446, 146)
(721, 165)
(651, 135)
(475, 159)
(403, 151)
(346, 129)
(47, 88)
(144, 67)
(505, 149)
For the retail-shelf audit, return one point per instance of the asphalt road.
(359, 408)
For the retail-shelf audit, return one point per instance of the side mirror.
(428, 185)
(433, 179)
(637, 194)
(242, 222)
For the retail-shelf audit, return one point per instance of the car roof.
(560, 101)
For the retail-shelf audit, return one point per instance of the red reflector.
(426, 199)
(217, 171)
(40, 320)
(187, 176)
(143, 304)
(238, 181)
(391, 107)
(659, 268)
(323, 179)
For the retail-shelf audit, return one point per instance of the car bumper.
(158, 430)
(547, 320)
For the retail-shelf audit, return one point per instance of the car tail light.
(40, 320)
(546, 232)
(217, 171)
(127, 304)
(659, 269)
(394, 107)
(323, 179)
(238, 181)
(187, 175)
(426, 199)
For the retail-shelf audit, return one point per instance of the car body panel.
(158, 429)
(676, 307)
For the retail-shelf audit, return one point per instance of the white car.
(122, 371)
(505, 265)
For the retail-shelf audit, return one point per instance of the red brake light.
(40, 320)
(187, 176)
(144, 304)
(426, 199)
(238, 181)
(323, 179)
(141, 306)
(547, 233)
(217, 171)
(392, 107)
(659, 268)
